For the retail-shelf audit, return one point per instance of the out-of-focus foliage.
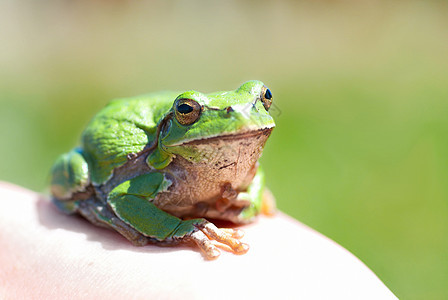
(360, 151)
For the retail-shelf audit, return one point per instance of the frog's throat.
(202, 169)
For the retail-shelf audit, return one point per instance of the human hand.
(45, 254)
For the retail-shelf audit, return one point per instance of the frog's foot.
(209, 232)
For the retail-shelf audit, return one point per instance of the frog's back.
(123, 127)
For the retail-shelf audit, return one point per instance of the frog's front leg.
(98, 214)
(257, 199)
(131, 203)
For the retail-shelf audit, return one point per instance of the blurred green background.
(360, 151)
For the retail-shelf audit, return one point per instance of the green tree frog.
(156, 168)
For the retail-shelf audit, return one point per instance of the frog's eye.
(187, 111)
(266, 98)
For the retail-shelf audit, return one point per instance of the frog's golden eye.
(266, 98)
(187, 111)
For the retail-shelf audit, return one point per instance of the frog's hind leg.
(260, 198)
(72, 193)
(69, 176)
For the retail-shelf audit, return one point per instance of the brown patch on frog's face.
(224, 162)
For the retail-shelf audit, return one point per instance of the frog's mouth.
(260, 135)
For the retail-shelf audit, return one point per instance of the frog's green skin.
(145, 171)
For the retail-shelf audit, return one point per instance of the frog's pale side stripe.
(250, 129)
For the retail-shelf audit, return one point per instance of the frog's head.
(202, 127)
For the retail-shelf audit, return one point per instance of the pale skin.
(48, 255)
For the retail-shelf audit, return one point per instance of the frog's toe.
(210, 250)
(235, 233)
(229, 237)
(208, 235)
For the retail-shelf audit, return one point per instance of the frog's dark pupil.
(184, 108)
(268, 94)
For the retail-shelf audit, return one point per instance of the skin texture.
(154, 167)
(48, 255)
